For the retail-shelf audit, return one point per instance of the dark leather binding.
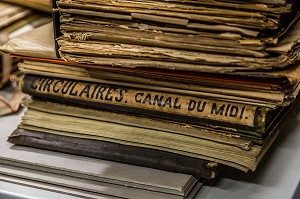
(116, 152)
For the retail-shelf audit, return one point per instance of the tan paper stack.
(15, 20)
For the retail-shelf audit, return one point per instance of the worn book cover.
(189, 109)
(261, 91)
(116, 152)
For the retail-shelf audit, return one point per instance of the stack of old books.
(180, 86)
(85, 177)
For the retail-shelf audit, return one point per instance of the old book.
(187, 38)
(187, 15)
(226, 136)
(42, 46)
(116, 152)
(261, 91)
(234, 137)
(138, 136)
(264, 88)
(192, 110)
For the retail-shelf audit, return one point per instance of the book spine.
(188, 109)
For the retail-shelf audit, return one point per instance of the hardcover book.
(116, 152)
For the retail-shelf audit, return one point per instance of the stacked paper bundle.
(186, 35)
(44, 5)
(14, 20)
(181, 86)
